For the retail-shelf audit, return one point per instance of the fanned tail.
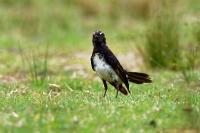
(138, 78)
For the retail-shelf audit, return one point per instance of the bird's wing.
(92, 63)
(112, 60)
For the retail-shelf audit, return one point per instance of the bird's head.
(98, 38)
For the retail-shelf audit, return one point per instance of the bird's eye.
(101, 34)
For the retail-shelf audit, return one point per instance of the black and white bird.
(109, 69)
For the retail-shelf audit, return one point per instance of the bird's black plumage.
(109, 69)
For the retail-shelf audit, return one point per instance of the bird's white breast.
(104, 70)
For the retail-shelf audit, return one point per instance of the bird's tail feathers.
(138, 78)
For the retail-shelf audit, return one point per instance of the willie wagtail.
(109, 69)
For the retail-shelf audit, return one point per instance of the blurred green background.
(66, 25)
(71, 22)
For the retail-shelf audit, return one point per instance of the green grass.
(69, 98)
(173, 107)
(162, 48)
(162, 43)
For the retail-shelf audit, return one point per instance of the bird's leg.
(105, 87)
(117, 87)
